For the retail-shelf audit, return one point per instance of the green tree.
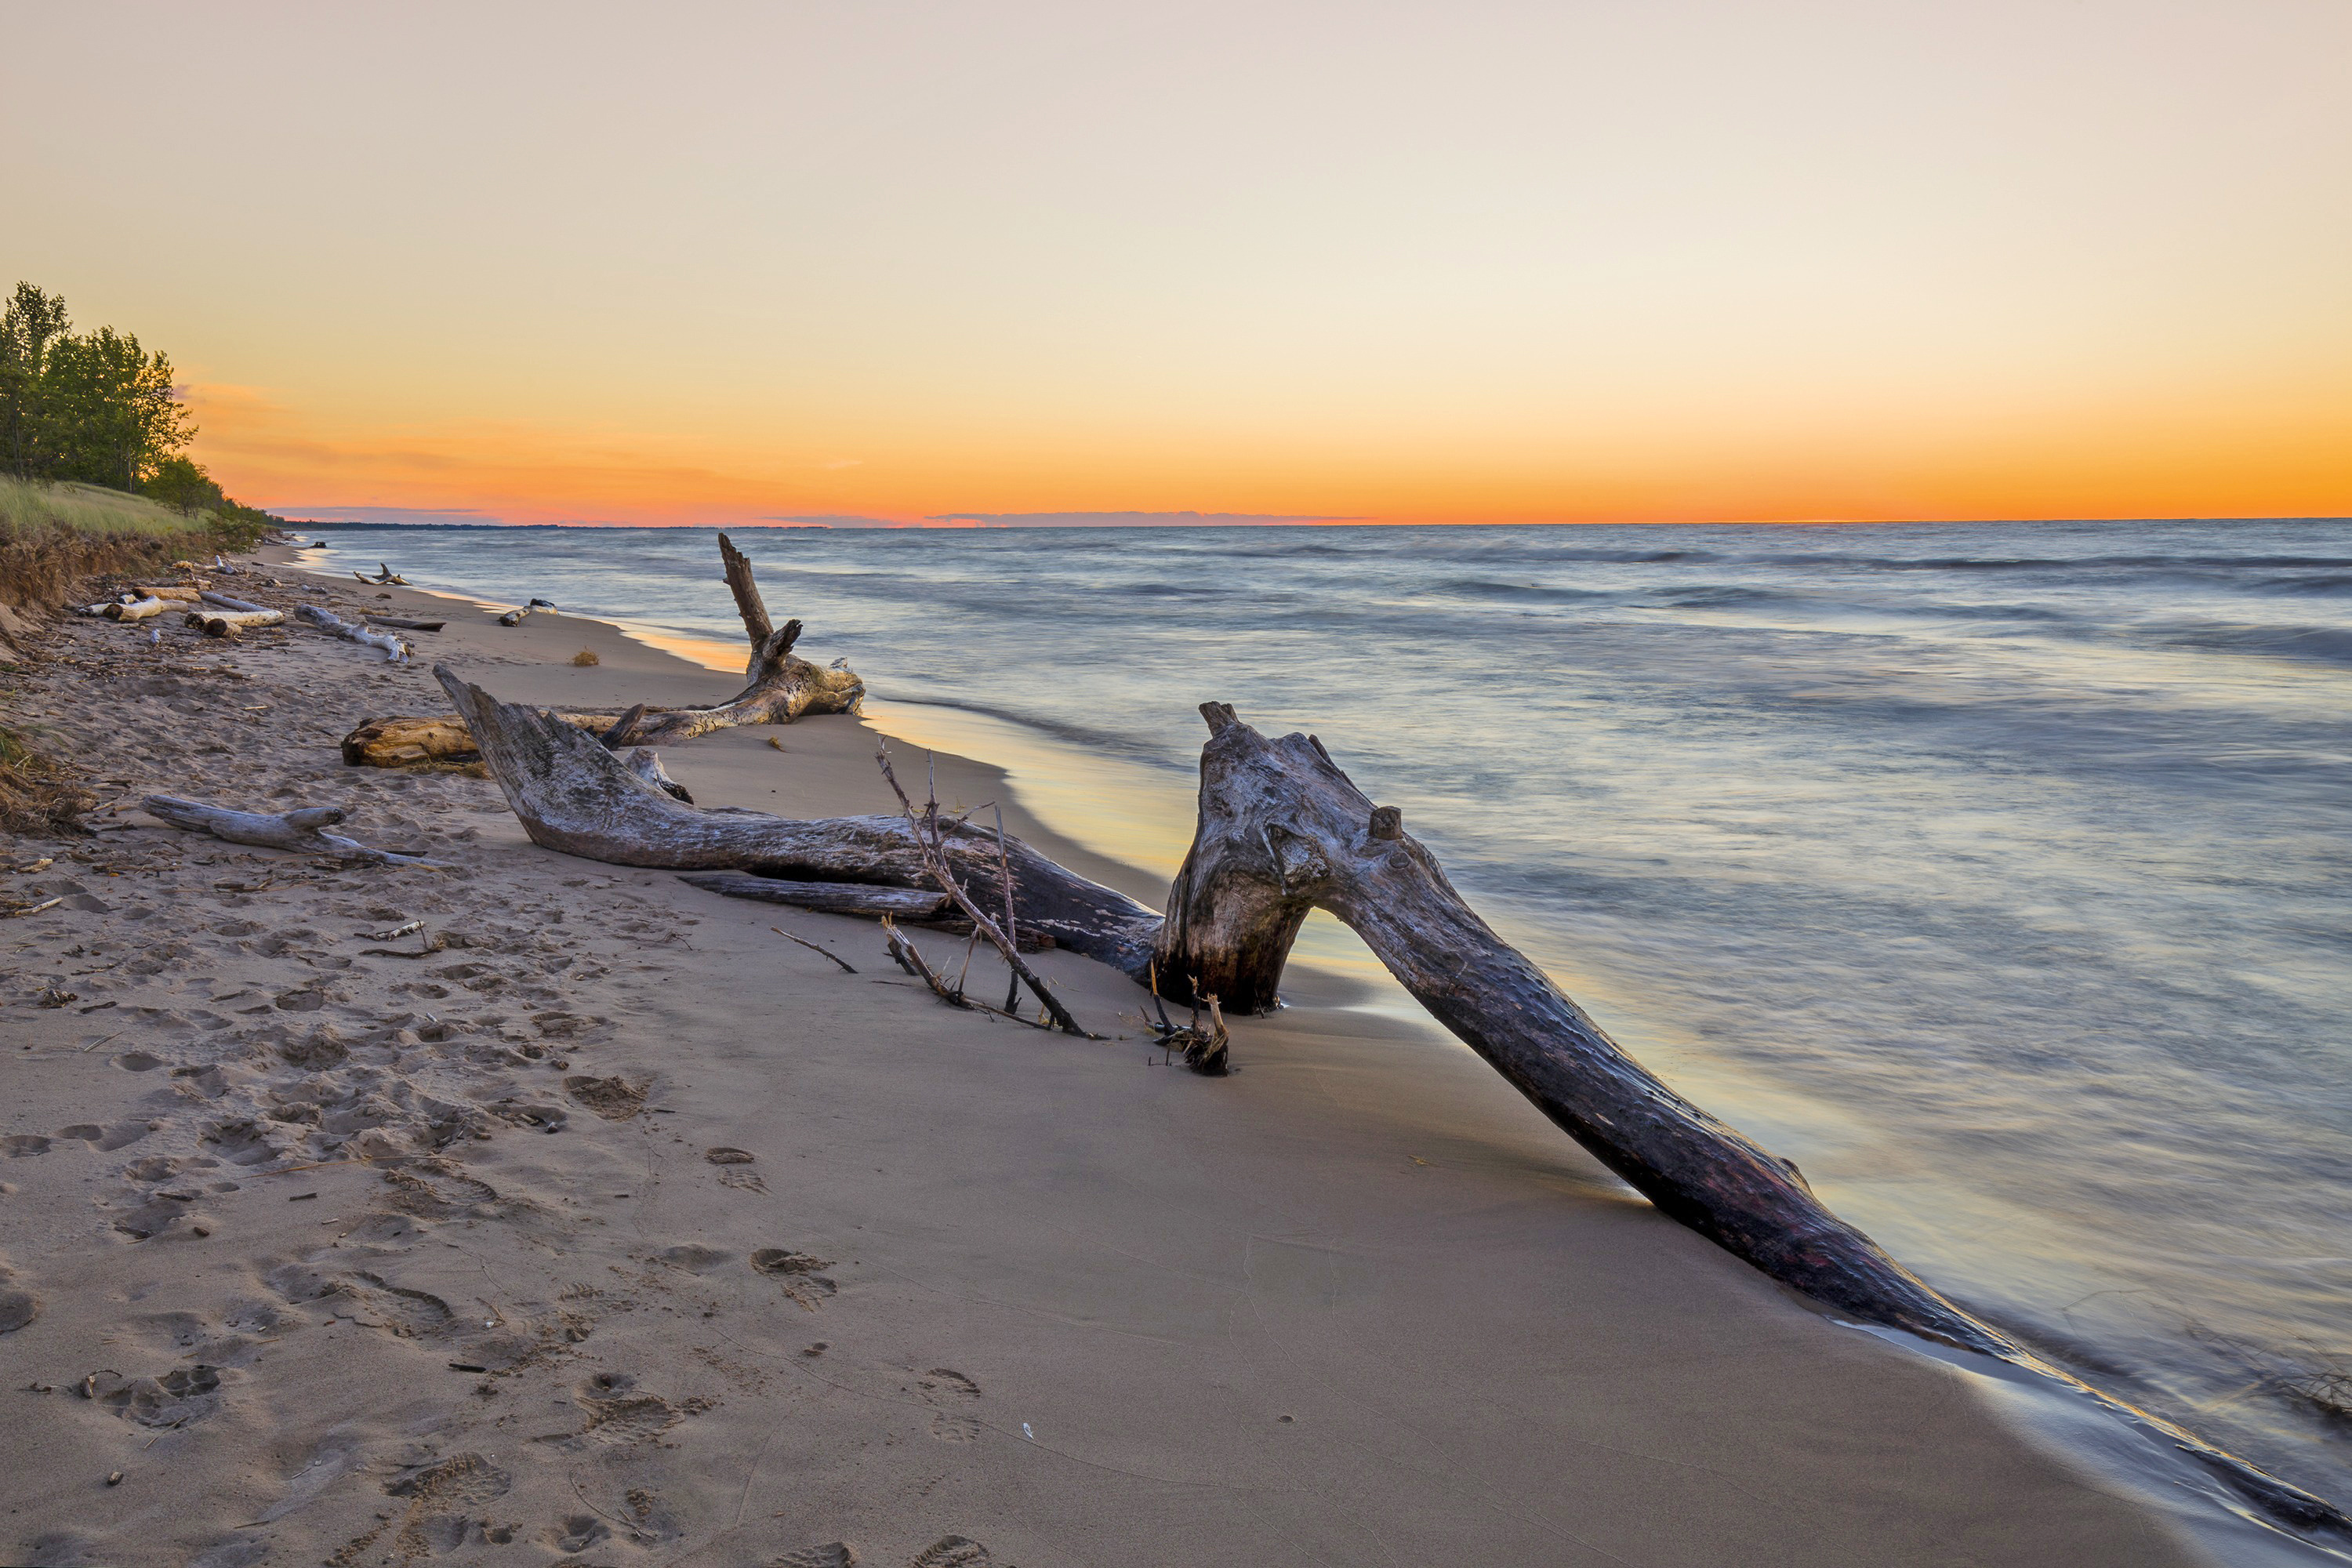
(107, 411)
(182, 483)
(33, 320)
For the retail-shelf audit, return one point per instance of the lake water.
(2000, 875)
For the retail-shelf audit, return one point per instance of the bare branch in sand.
(932, 846)
(813, 947)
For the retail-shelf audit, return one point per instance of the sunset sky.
(1701, 259)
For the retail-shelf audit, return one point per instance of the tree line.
(95, 408)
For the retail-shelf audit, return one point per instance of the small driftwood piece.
(185, 595)
(813, 947)
(395, 650)
(384, 575)
(825, 898)
(303, 831)
(408, 743)
(513, 617)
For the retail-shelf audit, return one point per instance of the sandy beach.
(620, 1229)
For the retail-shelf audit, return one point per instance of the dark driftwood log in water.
(1281, 830)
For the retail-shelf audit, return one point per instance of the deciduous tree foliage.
(95, 407)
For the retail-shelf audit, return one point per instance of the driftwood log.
(231, 623)
(782, 688)
(138, 609)
(302, 831)
(1282, 829)
(395, 650)
(574, 795)
(402, 623)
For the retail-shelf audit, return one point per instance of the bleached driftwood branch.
(303, 831)
(395, 650)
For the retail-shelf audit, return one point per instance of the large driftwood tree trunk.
(573, 794)
(1282, 830)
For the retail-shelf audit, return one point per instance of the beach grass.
(30, 509)
(52, 535)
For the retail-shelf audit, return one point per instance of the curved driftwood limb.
(302, 831)
(779, 686)
(573, 795)
(747, 602)
(646, 762)
(395, 649)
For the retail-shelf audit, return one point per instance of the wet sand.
(622, 1230)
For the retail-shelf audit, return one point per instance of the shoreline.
(1049, 1298)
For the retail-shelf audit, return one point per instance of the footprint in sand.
(18, 1145)
(618, 1413)
(833, 1555)
(181, 1397)
(576, 1532)
(692, 1258)
(953, 1552)
(797, 1273)
(944, 1389)
(17, 1308)
(614, 1099)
